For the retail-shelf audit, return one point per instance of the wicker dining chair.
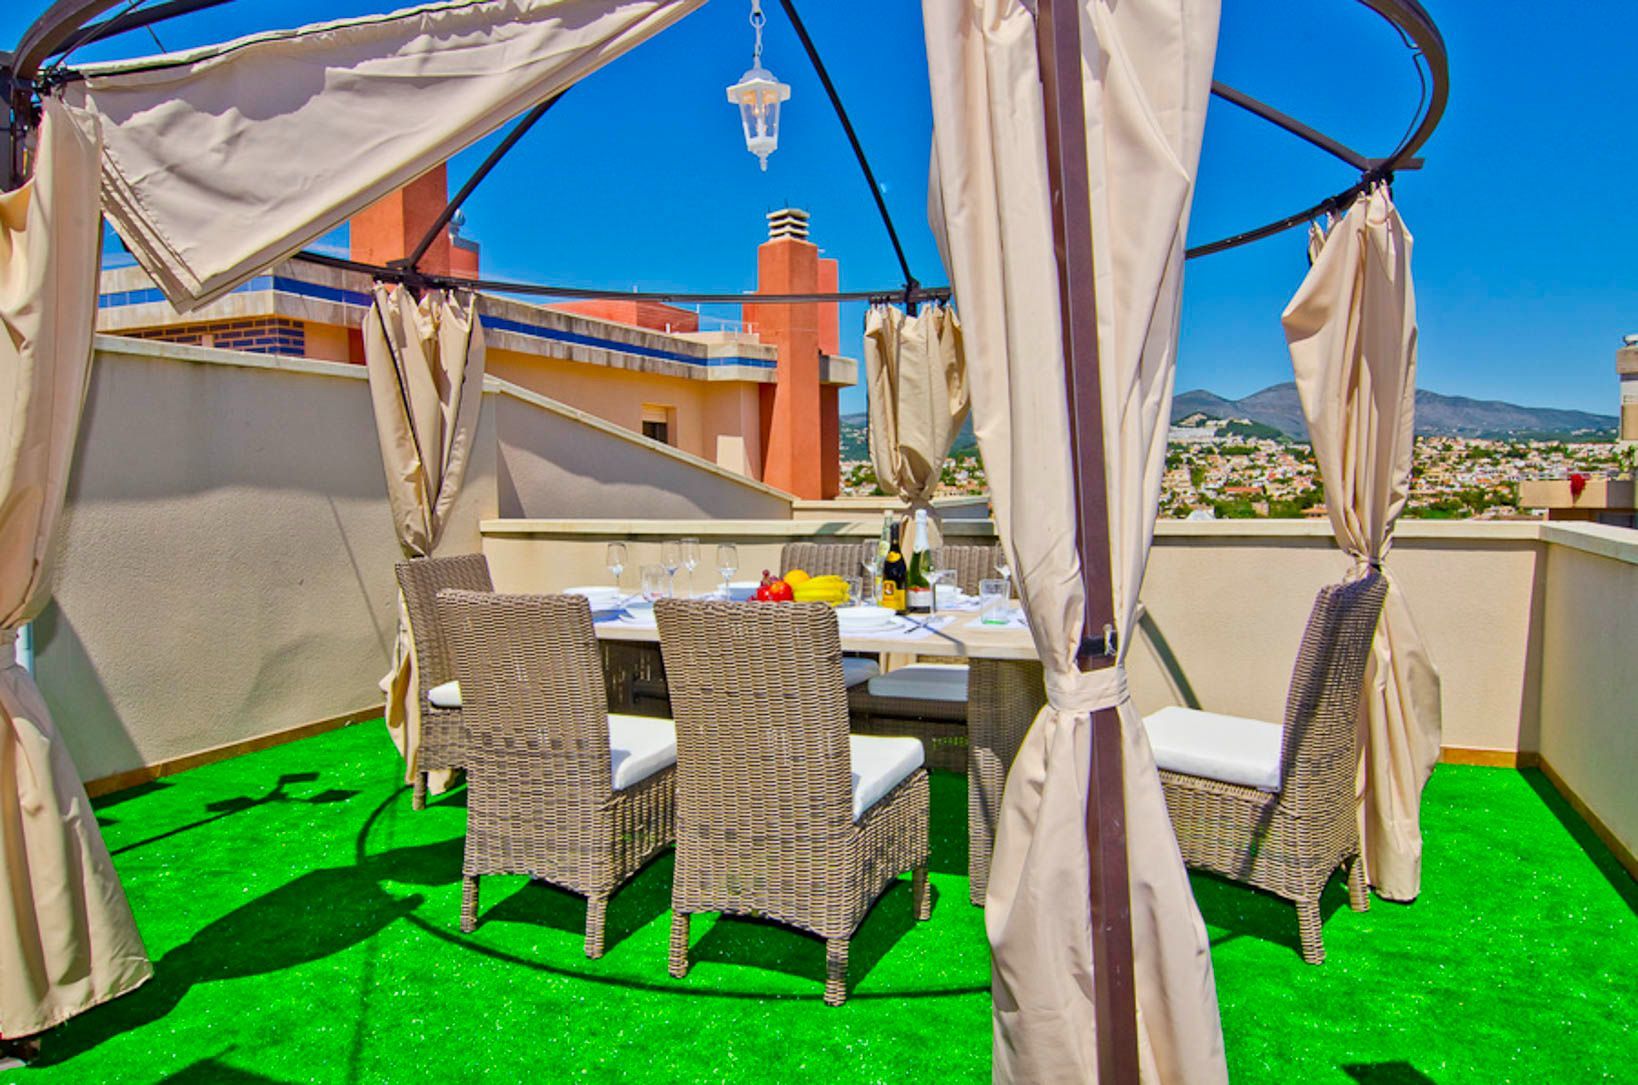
(1290, 837)
(826, 558)
(557, 788)
(774, 817)
(443, 735)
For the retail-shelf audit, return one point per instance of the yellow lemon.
(795, 577)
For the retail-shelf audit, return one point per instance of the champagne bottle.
(883, 545)
(919, 587)
(893, 574)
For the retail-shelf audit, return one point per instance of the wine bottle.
(883, 545)
(893, 575)
(918, 587)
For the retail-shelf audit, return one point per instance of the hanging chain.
(757, 19)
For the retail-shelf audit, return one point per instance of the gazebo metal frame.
(67, 24)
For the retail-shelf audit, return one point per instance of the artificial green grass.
(304, 925)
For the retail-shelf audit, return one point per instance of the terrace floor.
(304, 924)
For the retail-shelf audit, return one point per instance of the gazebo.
(1061, 204)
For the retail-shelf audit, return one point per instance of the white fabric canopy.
(425, 360)
(220, 161)
(67, 938)
(1147, 69)
(916, 367)
(1352, 333)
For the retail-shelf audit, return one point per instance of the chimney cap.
(789, 222)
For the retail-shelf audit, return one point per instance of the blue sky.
(1524, 234)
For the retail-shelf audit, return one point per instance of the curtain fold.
(68, 940)
(425, 360)
(199, 176)
(1351, 329)
(916, 372)
(1147, 75)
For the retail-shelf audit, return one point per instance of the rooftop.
(304, 924)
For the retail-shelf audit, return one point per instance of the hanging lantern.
(759, 95)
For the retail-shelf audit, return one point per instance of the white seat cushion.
(925, 681)
(856, 669)
(1230, 749)
(639, 746)
(447, 695)
(879, 765)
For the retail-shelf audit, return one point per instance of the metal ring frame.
(68, 24)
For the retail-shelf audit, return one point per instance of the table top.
(963, 635)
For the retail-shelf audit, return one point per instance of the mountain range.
(1279, 408)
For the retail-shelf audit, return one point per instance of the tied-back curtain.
(220, 161)
(67, 938)
(1147, 75)
(1352, 333)
(916, 368)
(425, 361)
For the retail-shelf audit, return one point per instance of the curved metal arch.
(68, 23)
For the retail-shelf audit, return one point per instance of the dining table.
(1005, 692)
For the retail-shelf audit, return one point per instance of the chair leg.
(835, 971)
(918, 888)
(469, 903)
(596, 912)
(1359, 897)
(679, 944)
(1308, 926)
(418, 799)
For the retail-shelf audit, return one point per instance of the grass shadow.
(1247, 912)
(1398, 1072)
(238, 804)
(947, 823)
(634, 905)
(760, 943)
(1624, 884)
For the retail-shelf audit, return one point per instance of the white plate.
(601, 597)
(849, 617)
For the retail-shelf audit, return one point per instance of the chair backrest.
(532, 697)
(762, 728)
(421, 579)
(971, 564)
(825, 559)
(1321, 743)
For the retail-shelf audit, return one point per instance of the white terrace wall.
(227, 549)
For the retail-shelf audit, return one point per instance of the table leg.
(1003, 699)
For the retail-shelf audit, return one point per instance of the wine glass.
(615, 558)
(727, 565)
(656, 582)
(1003, 567)
(671, 559)
(690, 559)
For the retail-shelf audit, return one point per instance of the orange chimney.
(800, 432)
(390, 228)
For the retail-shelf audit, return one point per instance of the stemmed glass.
(615, 558)
(671, 558)
(727, 565)
(690, 560)
(1005, 570)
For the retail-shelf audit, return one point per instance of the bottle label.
(921, 599)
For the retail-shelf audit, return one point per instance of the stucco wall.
(1589, 696)
(559, 463)
(227, 554)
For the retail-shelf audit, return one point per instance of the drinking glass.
(873, 571)
(615, 558)
(856, 590)
(656, 582)
(993, 597)
(690, 559)
(935, 577)
(671, 558)
(727, 565)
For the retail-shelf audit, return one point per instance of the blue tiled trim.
(341, 296)
(535, 331)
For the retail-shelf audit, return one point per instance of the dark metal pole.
(1058, 33)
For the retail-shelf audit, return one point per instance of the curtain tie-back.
(1082, 692)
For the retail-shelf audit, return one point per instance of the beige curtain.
(67, 938)
(1352, 333)
(916, 368)
(199, 177)
(1147, 77)
(425, 360)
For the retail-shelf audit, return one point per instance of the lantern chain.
(757, 20)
